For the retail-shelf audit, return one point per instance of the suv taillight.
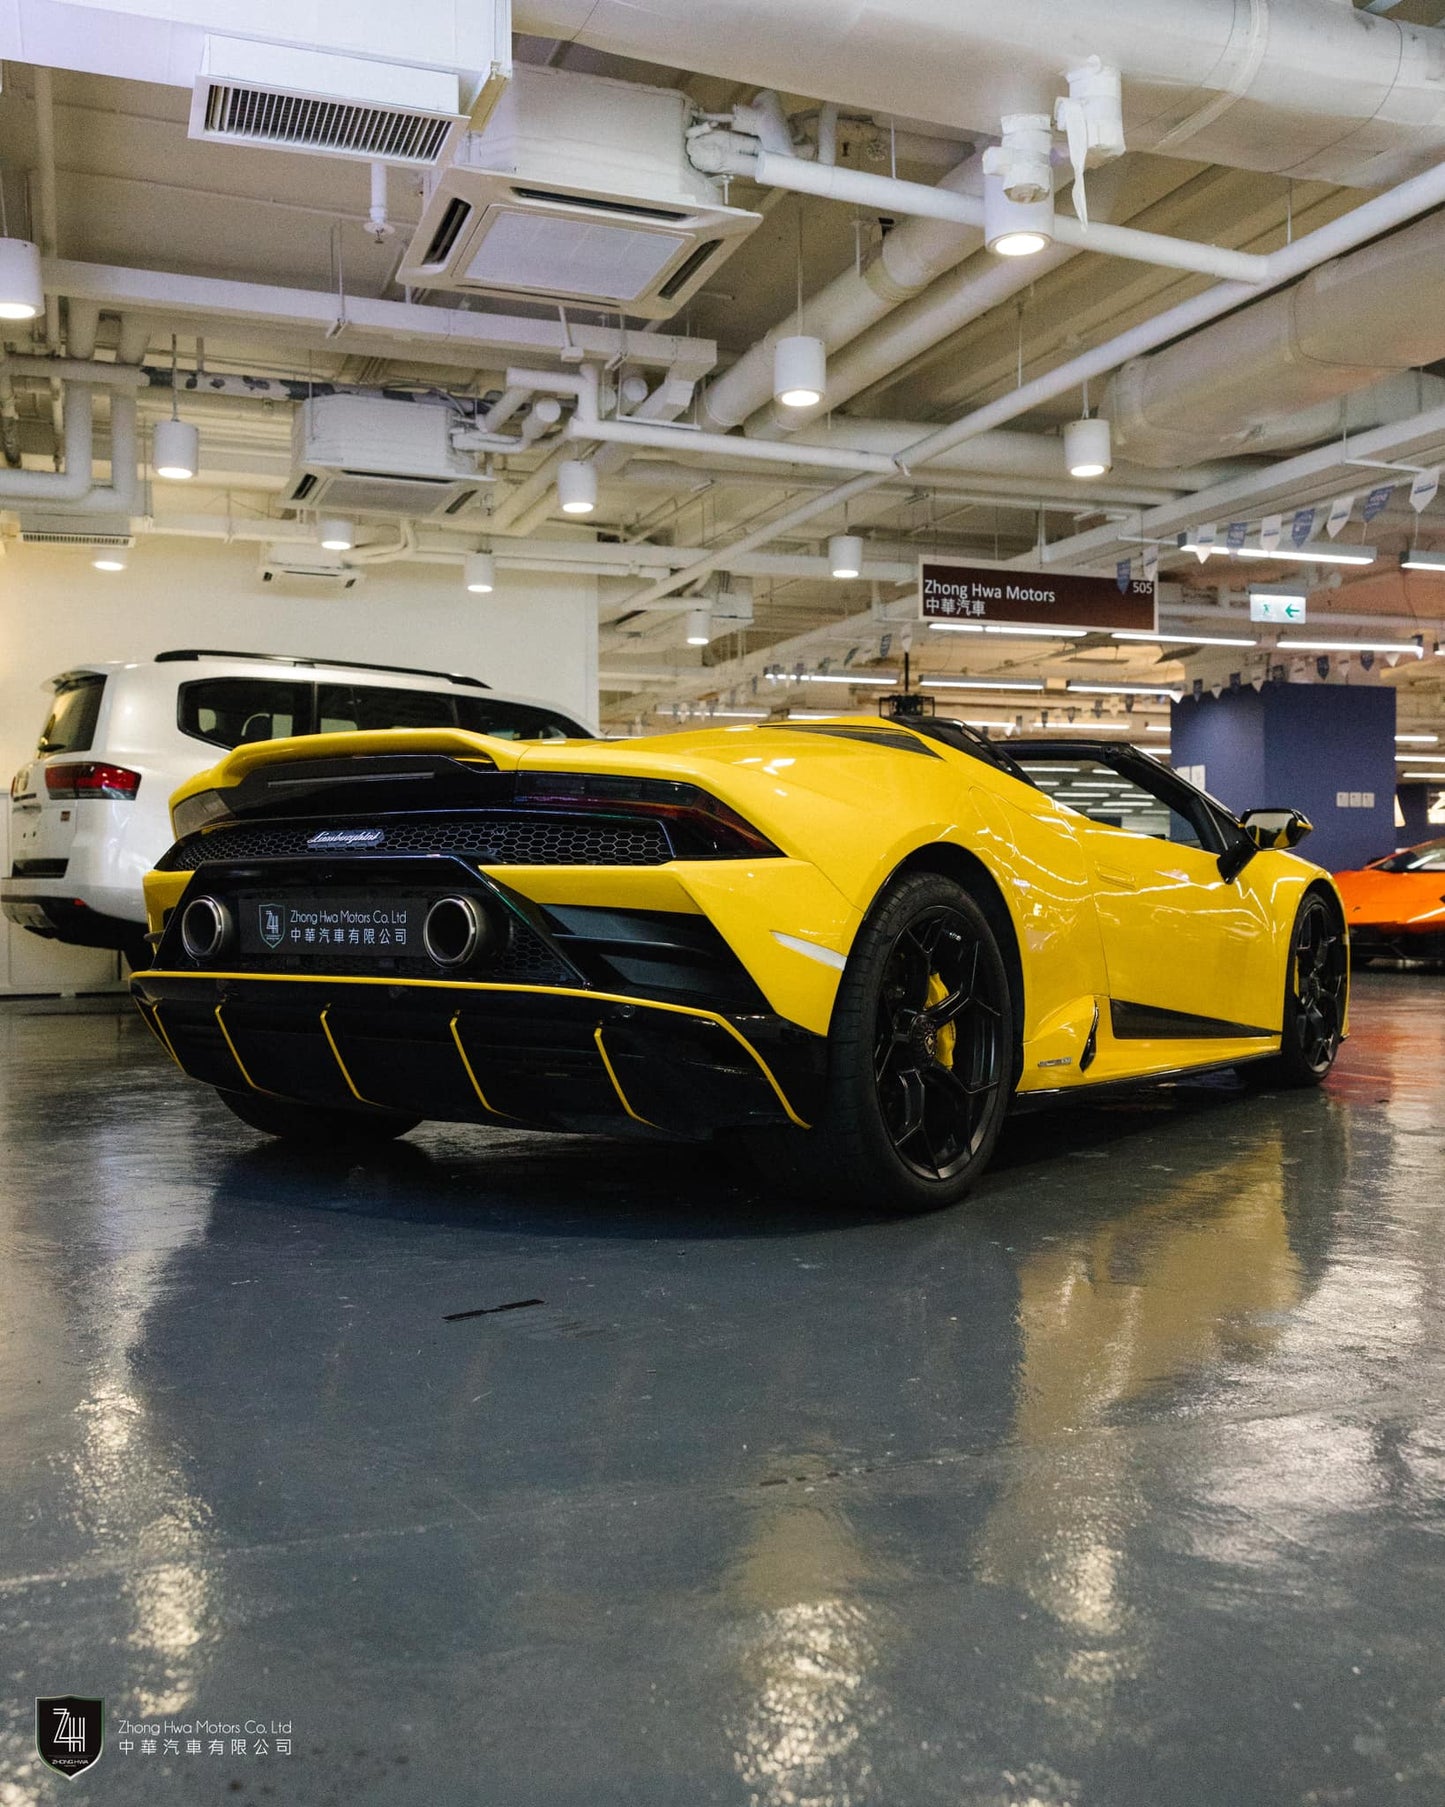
(63, 782)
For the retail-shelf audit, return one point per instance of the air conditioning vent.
(377, 455)
(335, 106)
(298, 122)
(307, 571)
(578, 188)
(40, 529)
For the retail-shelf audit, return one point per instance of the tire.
(316, 1125)
(1315, 988)
(920, 1057)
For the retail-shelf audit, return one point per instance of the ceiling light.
(979, 684)
(1078, 689)
(1422, 740)
(112, 559)
(336, 535)
(1133, 633)
(845, 555)
(480, 573)
(859, 680)
(175, 449)
(1015, 228)
(1423, 561)
(22, 293)
(1088, 447)
(1310, 554)
(800, 371)
(576, 486)
(699, 627)
(1352, 646)
(1429, 776)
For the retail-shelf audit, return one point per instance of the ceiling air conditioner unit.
(302, 570)
(364, 454)
(38, 528)
(290, 99)
(577, 189)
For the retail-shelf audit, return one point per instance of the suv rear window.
(234, 712)
(345, 708)
(70, 726)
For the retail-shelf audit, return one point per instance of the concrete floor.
(1126, 1485)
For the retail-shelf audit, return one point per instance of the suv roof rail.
(186, 653)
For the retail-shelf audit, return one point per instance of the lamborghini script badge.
(343, 838)
(69, 1732)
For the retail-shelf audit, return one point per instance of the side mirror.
(1275, 827)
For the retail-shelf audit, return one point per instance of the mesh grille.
(264, 116)
(498, 840)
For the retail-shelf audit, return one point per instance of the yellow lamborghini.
(858, 939)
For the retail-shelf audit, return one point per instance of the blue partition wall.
(1303, 746)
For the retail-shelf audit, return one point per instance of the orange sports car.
(1395, 907)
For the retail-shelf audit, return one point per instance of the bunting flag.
(1151, 564)
(1270, 529)
(1422, 490)
(885, 646)
(1202, 540)
(1378, 500)
(1340, 511)
(1234, 534)
(1367, 661)
(1235, 680)
(1322, 665)
(1198, 691)
(1302, 526)
(1123, 571)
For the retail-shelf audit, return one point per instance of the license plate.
(331, 927)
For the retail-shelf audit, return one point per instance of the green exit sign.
(1276, 608)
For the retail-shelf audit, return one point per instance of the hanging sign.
(1422, 490)
(1340, 511)
(1235, 533)
(1151, 563)
(1123, 571)
(981, 596)
(1276, 608)
(1378, 500)
(1269, 531)
(1302, 526)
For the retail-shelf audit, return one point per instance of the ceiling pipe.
(887, 195)
(1367, 221)
(1349, 323)
(1318, 92)
(76, 479)
(447, 335)
(49, 221)
(911, 257)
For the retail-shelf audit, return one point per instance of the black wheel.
(316, 1125)
(1316, 987)
(920, 1054)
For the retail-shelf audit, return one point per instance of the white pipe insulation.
(75, 488)
(1295, 86)
(911, 257)
(1348, 324)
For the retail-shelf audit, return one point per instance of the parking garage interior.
(1049, 389)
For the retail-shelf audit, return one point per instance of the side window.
(516, 721)
(1104, 795)
(234, 712)
(70, 726)
(348, 708)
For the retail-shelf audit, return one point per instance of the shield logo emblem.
(69, 1733)
(273, 924)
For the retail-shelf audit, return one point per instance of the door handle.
(1116, 880)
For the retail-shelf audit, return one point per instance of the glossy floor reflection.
(1126, 1485)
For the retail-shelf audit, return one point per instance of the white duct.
(75, 487)
(1294, 86)
(909, 259)
(1345, 326)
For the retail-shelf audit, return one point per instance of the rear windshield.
(1430, 857)
(70, 726)
(342, 708)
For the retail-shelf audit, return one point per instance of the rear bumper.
(532, 1056)
(1385, 941)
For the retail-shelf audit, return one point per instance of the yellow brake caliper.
(948, 1034)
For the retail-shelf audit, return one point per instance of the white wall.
(534, 636)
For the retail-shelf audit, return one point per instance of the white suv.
(89, 814)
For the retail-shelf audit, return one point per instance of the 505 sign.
(980, 596)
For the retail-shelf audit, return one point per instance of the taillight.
(63, 782)
(716, 827)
